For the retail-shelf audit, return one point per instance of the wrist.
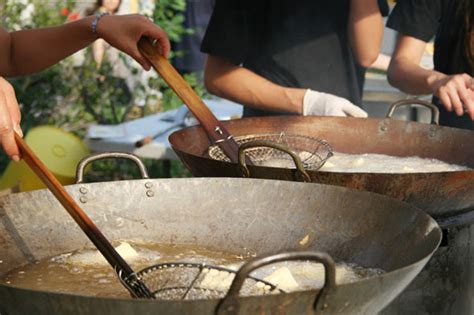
(96, 25)
(433, 80)
(295, 99)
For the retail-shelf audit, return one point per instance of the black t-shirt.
(302, 44)
(197, 15)
(424, 19)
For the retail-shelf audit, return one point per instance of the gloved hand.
(323, 104)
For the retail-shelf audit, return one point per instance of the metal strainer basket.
(313, 152)
(191, 281)
(194, 281)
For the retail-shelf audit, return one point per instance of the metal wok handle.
(230, 303)
(414, 101)
(107, 155)
(277, 146)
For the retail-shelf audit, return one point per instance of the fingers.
(456, 94)
(6, 130)
(153, 31)
(12, 105)
(456, 100)
(445, 99)
(354, 111)
(163, 43)
(132, 28)
(467, 96)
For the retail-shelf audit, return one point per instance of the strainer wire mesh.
(193, 281)
(313, 152)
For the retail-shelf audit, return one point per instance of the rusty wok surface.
(441, 193)
(235, 214)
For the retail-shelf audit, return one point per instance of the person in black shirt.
(451, 82)
(280, 57)
(197, 15)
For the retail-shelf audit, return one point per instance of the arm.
(381, 63)
(30, 51)
(227, 80)
(406, 74)
(365, 30)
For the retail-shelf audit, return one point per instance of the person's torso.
(302, 44)
(450, 57)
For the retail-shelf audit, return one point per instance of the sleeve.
(383, 7)
(416, 18)
(228, 34)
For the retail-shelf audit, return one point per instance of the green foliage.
(15, 15)
(168, 14)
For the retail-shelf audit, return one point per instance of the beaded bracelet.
(98, 16)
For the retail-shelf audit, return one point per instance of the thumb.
(353, 110)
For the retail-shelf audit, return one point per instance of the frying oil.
(369, 163)
(85, 272)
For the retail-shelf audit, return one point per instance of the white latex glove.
(323, 104)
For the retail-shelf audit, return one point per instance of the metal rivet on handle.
(150, 193)
(83, 199)
(432, 132)
(83, 190)
(218, 130)
(148, 185)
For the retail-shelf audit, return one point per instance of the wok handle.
(213, 127)
(414, 101)
(263, 143)
(230, 303)
(109, 155)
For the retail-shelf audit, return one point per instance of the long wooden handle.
(84, 222)
(213, 127)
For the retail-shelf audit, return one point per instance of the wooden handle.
(84, 222)
(213, 127)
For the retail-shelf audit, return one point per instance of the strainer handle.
(270, 144)
(415, 101)
(230, 304)
(108, 155)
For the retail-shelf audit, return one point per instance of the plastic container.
(60, 151)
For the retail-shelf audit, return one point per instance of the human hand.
(10, 117)
(456, 92)
(323, 104)
(124, 31)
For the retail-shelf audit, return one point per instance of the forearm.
(31, 51)
(411, 78)
(241, 85)
(365, 30)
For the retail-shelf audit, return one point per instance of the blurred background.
(101, 86)
(84, 90)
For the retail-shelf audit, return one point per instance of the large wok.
(446, 285)
(238, 215)
(442, 193)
